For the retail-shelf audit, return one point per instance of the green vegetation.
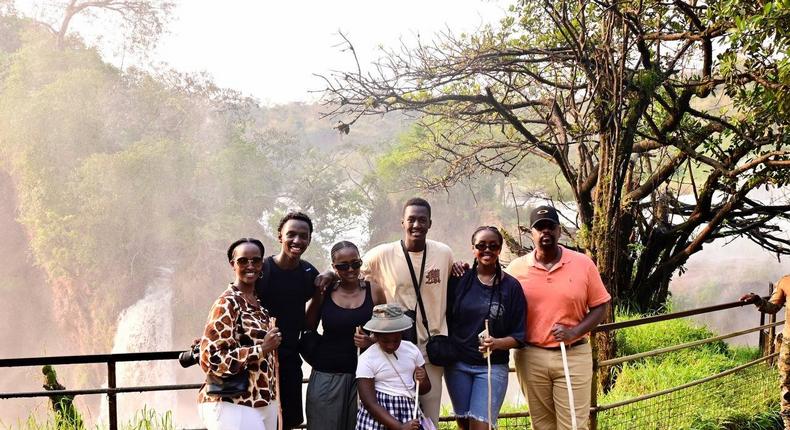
(145, 419)
(136, 171)
(738, 401)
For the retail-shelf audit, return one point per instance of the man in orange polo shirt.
(565, 300)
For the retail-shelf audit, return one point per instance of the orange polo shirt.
(562, 295)
(779, 298)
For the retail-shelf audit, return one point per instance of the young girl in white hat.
(387, 374)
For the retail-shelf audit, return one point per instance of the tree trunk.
(609, 238)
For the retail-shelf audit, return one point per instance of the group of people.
(378, 312)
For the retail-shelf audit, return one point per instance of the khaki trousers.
(784, 378)
(542, 381)
(431, 402)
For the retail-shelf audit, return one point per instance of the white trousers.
(230, 416)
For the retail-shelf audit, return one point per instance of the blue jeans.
(467, 385)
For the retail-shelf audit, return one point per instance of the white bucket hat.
(388, 318)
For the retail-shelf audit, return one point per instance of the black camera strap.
(418, 285)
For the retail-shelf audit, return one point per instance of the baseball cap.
(542, 213)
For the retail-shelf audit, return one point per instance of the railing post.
(762, 334)
(594, 385)
(769, 341)
(112, 405)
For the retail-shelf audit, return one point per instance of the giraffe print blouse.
(231, 340)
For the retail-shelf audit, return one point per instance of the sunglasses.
(354, 265)
(243, 261)
(491, 246)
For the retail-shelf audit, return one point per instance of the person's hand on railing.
(751, 298)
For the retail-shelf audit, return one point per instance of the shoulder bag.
(440, 349)
(229, 386)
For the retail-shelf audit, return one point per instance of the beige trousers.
(784, 376)
(431, 402)
(542, 381)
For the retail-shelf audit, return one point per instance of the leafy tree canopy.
(662, 117)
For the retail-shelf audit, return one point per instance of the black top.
(471, 302)
(284, 296)
(337, 351)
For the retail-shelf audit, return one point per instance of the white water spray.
(145, 326)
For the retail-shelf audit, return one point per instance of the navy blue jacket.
(470, 302)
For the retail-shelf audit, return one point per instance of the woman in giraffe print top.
(238, 337)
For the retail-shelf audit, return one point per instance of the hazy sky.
(270, 49)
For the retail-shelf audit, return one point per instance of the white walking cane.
(416, 399)
(488, 358)
(272, 324)
(359, 401)
(571, 402)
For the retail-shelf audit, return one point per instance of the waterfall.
(145, 326)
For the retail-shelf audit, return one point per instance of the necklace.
(339, 286)
(490, 280)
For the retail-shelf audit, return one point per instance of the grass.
(144, 419)
(744, 400)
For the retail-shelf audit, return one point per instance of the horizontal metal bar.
(671, 316)
(660, 351)
(90, 359)
(447, 418)
(684, 386)
(139, 389)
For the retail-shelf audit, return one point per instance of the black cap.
(542, 213)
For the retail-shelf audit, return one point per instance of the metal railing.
(111, 391)
(765, 344)
(518, 418)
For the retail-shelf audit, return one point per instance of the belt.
(579, 342)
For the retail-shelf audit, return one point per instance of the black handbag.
(229, 386)
(440, 349)
(309, 346)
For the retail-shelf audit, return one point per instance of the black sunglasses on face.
(492, 246)
(356, 264)
(243, 261)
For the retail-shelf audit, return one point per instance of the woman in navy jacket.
(483, 293)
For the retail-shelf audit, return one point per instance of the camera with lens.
(190, 357)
